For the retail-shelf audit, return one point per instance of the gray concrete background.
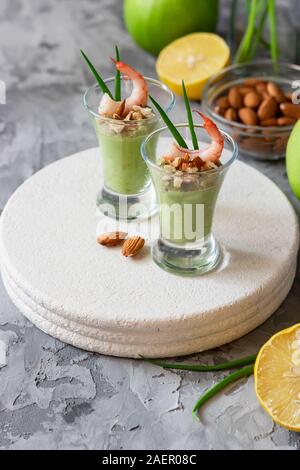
(53, 396)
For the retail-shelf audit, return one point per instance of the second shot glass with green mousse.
(187, 183)
(122, 118)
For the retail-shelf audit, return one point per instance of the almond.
(252, 100)
(235, 98)
(186, 158)
(223, 102)
(290, 110)
(261, 88)
(111, 238)
(231, 114)
(253, 143)
(265, 95)
(197, 162)
(281, 144)
(286, 121)
(177, 162)
(248, 116)
(244, 90)
(116, 116)
(274, 90)
(269, 122)
(220, 111)
(121, 108)
(132, 246)
(137, 116)
(253, 82)
(184, 166)
(268, 109)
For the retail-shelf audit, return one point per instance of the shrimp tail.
(214, 151)
(139, 95)
(117, 64)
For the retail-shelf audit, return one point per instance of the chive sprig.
(258, 12)
(204, 368)
(118, 78)
(246, 364)
(190, 118)
(176, 134)
(211, 392)
(172, 128)
(100, 81)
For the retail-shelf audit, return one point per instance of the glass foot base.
(122, 207)
(187, 260)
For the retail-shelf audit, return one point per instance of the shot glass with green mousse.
(187, 183)
(122, 118)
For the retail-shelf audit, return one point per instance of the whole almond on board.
(231, 114)
(111, 238)
(269, 122)
(248, 116)
(274, 90)
(286, 121)
(223, 102)
(268, 109)
(132, 246)
(235, 98)
(252, 100)
(290, 110)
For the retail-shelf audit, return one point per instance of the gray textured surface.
(52, 395)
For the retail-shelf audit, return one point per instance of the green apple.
(153, 24)
(293, 159)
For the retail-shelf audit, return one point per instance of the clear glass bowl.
(265, 143)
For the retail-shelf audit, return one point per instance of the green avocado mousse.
(187, 208)
(187, 184)
(122, 118)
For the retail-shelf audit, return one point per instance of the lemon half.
(193, 58)
(277, 377)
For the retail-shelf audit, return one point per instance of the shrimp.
(176, 151)
(139, 95)
(213, 152)
(108, 107)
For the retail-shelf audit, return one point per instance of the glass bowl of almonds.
(257, 104)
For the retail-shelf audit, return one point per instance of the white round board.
(94, 298)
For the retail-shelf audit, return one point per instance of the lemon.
(277, 377)
(193, 58)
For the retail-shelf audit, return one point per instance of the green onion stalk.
(211, 392)
(245, 365)
(100, 80)
(244, 361)
(258, 11)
